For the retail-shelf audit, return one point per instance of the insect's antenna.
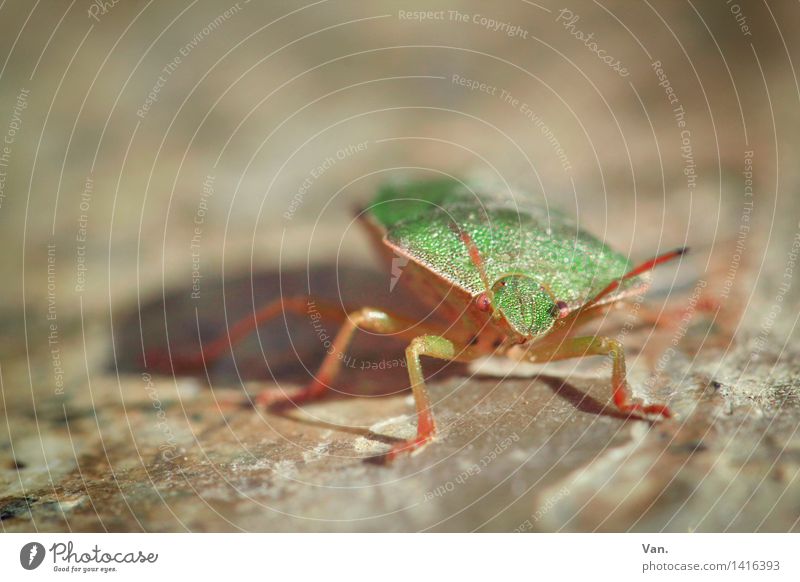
(475, 257)
(643, 268)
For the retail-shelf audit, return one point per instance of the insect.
(508, 277)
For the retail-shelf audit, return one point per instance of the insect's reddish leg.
(672, 317)
(238, 331)
(599, 346)
(434, 347)
(368, 319)
(638, 270)
(567, 326)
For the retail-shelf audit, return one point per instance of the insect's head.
(526, 307)
(523, 304)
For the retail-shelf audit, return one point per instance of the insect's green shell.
(422, 220)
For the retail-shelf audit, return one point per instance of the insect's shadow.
(581, 400)
(294, 415)
(288, 349)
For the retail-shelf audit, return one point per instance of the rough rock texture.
(523, 451)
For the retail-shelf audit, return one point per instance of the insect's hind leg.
(211, 352)
(580, 347)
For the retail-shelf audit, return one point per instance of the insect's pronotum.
(504, 274)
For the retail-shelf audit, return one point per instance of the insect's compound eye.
(483, 302)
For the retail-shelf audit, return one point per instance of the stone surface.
(519, 449)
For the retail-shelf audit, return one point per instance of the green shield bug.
(511, 278)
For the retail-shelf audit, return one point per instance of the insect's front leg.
(367, 319)
(435, 347)
(569, 348)
(375, 320)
